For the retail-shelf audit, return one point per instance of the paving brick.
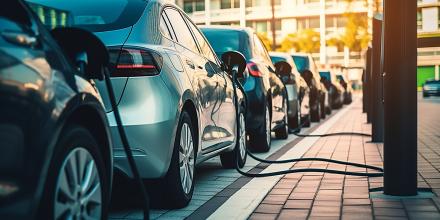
(298, 204)
(389, 212)
(275, 199)
(324, 211)
(269, 208)
(357, 201)
(261, 216)
(289, 214)
(424, 215)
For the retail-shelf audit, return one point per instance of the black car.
(307, 67)
(348, 90)
(297, 93)
(431, 88)
(334, 88)
(55, 150)
(265, 92)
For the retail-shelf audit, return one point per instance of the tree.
(306, 40)
(266, 40)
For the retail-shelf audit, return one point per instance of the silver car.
(176, 102)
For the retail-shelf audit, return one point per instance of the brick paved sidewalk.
(331, 196)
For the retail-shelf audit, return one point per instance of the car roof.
(226, 27)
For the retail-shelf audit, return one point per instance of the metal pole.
(377, 84)
(400, 97)
(272, 25)
(368, 85)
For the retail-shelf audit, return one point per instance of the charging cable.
(236, 84)
(131, 162)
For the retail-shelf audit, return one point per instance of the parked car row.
(59, 142)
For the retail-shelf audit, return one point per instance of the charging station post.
(400, 97)
(367, 85)
(377, 81)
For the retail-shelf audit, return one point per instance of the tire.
(76, 150)
(305, 121)
(322, 110)
(172, 191)
(295, 121)
(283, 131)
(239, 154)
(314, 114)
(425, 95)
(261, 140)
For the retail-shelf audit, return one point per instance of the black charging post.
(400, 97)
(377, 81)
(368, 83)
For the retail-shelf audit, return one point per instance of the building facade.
(290, 16)
(428, 25)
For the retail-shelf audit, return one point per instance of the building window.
(225, 4)
(341, 21)
(190, 6)
(314, 22)
(311, 1)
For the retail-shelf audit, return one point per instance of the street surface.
(221, 193)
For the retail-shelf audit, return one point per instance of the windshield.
(325, 75)
(226, 40)
(432, 82)
(276, 59)
(93, 15)
(301, 62)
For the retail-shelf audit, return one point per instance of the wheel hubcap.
(78, 187)
(267, 126)
(242, 140)
(186, 158)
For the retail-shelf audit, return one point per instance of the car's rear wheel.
(295, 121)
(77, 186)
(283, 131)
(305, 121)
(238, 155)
(177, 187)
(261, 140)
(314, 111)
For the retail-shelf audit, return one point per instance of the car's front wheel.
(238, 155)
(77, 185)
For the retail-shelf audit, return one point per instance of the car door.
(225, 109)
(276, 85)
(205, 83)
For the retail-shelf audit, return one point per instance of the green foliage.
(266, 40)
(306, 40)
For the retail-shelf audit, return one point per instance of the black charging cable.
(124, 140)
(236, 84)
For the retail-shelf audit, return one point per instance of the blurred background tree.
(266, 40)
(306, 40)
(356, 36)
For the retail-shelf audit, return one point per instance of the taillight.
(133, 62)
(253, 70)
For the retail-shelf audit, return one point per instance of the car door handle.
(190, 64)
(200, 67)
(19, 38)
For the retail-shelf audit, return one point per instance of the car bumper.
(150, 115)
(431, 92)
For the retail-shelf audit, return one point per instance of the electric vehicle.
(308, 70)
(334, 88)
(55, 145)
(348, 90)
(265, 92)
(297, 93)
(431, 88)
(175, 100)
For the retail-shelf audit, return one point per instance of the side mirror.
(283, 70)
(84, 50)
(234, 61)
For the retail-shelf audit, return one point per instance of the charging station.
(377, 114)
(400, 97)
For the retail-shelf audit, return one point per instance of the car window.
(204, 45)
(223, 40)
(276, 59)
(261, 50)
(301, 62)
(183, 34)
(96, 15)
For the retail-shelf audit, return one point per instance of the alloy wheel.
(78, 187)
(186, 158)
(268, 125)
(242, 140)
